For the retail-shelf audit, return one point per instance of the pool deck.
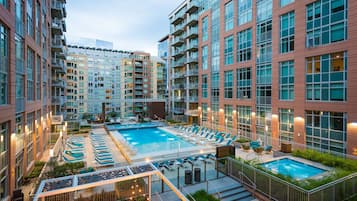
(90, 159)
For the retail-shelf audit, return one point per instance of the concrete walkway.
(211, 187)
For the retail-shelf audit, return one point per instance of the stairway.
(234, 193)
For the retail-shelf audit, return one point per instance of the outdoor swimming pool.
(132, 126)
(148, 140)
(293, 168)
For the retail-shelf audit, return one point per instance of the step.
(250, 198)
(231, 192)
(226, 188)
(237, 196)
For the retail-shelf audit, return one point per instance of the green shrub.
(202, 195)
(242, 140)
(66, 169)
(36, 170)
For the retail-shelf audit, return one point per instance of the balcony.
(20, 104)
(57, 27)
(178, 75)
(58, 64)
(193, 46)
(192, 59)
(59, 83)
(138, 64)
(178, 86)
(193, 85)
(192, 7)
(194, 113)
(178, 30)
(58, 100)
(57, 45)
(192, 20)
(178, 41)
(138, 93)
(58, 9)
(178, 99)
(139, 87)
(139, 70)
(192, 99)
(178, 18)
(138, 82)
(192, 33)
(178, 63)
(179, 52)
(193, 72)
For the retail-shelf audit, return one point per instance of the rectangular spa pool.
(293, 168)
(148, 140)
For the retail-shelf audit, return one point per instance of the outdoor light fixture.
(221, 110)
(234, 111)
(253, 113)
(51, 153)
(274, 116)
(354, 124)
(299, 118)
(266, 128)
(199, 108)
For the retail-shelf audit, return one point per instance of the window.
(228, 15)
(38, 23)
(264, 10)
(263, 85)
(244, 45)
(228, 117)
(244, 83)
(204, 57)
(244, 120)
(326, 77)
(204, 86)
(326, 130)
(228, 84)
(287, 32)
(326, 22)
(285, 2)
(19, 10)
(30, 74)
(4, 4)
(204, 29)
(228, 50)
(4, 65)
(204, 112)
(286, 80)
(286, 125)
(244, 11)
(4, 135)
(38, 78)
(30, 29)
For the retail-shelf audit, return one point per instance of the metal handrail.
(332, 183)
(187, 193)
(157, 194)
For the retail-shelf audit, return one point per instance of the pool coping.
(327, 170)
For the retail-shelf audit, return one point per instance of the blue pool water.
(132, 126)
(148, 140)
(292, 168)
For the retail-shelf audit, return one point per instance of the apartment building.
(93, 77)
(158, 78)
(275, 70)
(30, 33)
(164, 54)
(183, 67)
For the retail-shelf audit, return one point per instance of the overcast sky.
(129, 24)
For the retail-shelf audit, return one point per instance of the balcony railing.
(179, 86)
(192, 33)
(178, 41)
(178, 63)
(192, 59)
(58, 100)
(192, 20)
(192, 7)
(178, 75)
(193, 46)
(192, 73)
(192, 99)
(179, 17)
(59, 83)
(58, 64)
(57, 26)
(193, 85)
(57, 9)
(57, 44)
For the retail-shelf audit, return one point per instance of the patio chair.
(70, 159)
(254, 144)
(268, 149)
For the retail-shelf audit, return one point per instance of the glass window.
(244, 83)
(286, 125)
(3, 3)
(286, 80)
(287, 32)
(204, 29)
(228, 50)
(30, 74)
(326, 22)
(30, 29)
(229, 15)
(228, 117)
(228, 84)
(285, 2)
(204, 86)
(4, 137)
(204, 112)
(244, 11)
(244, 45)
(326, 131)
(264, 10)
(244, 119)
(326, 77)
(4, 65)
(204, 57)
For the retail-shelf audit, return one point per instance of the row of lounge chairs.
(170, 164)
(74, 151)
(204, 135)
(102, 153)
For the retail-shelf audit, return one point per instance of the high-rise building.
(164, 54)
(93, 78)
(158, 78)
(32, 48)
(183, 65)
(278, 70)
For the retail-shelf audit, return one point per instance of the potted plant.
(259, 150)
(245, 146)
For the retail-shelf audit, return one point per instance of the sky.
(130, 24)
